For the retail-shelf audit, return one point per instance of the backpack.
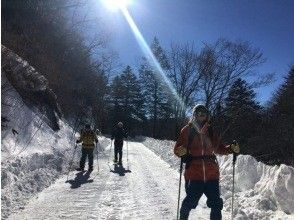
(88, 137)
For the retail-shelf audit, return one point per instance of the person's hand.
(181, 151)
(235, 147)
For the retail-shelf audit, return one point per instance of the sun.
(116, 4)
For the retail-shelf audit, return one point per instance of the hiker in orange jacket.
(201, 170)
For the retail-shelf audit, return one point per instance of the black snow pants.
(118, 145)
(87, 152)
(194, 191)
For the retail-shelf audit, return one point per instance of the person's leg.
(214, 200)
(194, 191)
(83, 159)
(90, 158)
(115, 152)
(120, 151)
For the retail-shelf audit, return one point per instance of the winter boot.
(90, 169)
(80, 169)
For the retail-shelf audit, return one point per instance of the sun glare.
(116, 4)
(121, 5)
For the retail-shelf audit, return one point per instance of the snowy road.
(147, 190)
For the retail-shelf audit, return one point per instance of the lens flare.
(150, 56)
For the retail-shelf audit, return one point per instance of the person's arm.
(81, 138)
(95, 137)
(221, 148)
(180, 148)
(113, 134)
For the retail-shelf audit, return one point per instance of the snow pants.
(194, 191)
(118, 145)
(87, 152)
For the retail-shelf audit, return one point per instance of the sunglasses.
(201, 114)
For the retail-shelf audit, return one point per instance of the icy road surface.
(145, 188)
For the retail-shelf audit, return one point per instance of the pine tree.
(283, 102)
(116, 100)
(155, 91)
(127, 100)
(278, 135)
(242, 114)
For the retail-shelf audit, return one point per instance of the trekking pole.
(97, 156)
(179, 193)
(109, 151)
(128, 152)
(71, 161)
(233, 188)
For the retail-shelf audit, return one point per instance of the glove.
(235, 147)
(78, 141)
(181, 151)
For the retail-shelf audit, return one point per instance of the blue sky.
(267, 24)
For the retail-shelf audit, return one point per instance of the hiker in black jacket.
(118, 135)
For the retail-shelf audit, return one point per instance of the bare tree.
(221, 64)
(184, 74)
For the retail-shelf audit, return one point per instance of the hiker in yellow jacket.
(88, 139)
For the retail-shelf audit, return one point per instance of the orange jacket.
(201, 169)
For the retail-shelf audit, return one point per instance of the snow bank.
(33, 156)
(261, 191)
(45, 159)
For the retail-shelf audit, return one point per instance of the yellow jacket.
(88, 137)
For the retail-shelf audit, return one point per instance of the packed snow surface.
(146, 188)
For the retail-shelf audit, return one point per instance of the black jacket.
(119, 134)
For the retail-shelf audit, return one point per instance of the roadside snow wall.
(33, 155)
(261, 191)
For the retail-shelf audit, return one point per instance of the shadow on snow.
(120, 170)
(81, 178)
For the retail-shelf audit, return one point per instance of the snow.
(34, 182)
(145, 189)
(35, 163)
(34, 157)
(261, 191)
